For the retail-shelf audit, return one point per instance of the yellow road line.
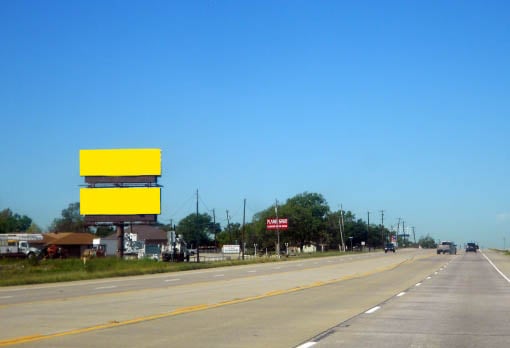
(173, 286)
(195, 308)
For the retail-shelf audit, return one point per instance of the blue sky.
(399, 106)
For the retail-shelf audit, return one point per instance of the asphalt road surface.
(465, 304)
(285, 304)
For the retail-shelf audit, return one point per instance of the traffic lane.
(54, 291)
(97, 309)
(275, 320)
(44, 292)
(464, 305)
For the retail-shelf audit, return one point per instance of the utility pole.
(404, 232)
(341, 224)
(368, 228)
(242, 235)
(214, 226)
(414, 235)
(197, 202)
(398, 229)
(277, 228)
(198, 234)
(229, 230)
(382, 227)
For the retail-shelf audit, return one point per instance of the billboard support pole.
(120, 240)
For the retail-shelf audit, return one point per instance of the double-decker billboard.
(122, 184)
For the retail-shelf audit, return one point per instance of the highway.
(465, 304)
(285, 304)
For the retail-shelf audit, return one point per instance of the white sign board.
(231, 249)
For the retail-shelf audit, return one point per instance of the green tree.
(34, 228)
(307, 214)
(355, 230)
(333, 229)
(261, 236)
(104, 231)
(71, 220)
(12, 222)
(307, 222)
(427, 242)
(231, 234)
(196, 229)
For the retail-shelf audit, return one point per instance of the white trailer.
(18, 245)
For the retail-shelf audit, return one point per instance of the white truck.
(447, 247)
(17, 245)
(176, 250)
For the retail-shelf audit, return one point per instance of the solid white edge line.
(172, 280)
(496, 268)
(307, 344)
(372, 310)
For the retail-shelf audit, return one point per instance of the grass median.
(24, 272)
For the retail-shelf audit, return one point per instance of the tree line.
(310, 221)
(13, 222)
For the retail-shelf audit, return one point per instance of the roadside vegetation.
(24, 272)
(310, 221)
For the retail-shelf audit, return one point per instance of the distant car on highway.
(389, 247)
(471, 247)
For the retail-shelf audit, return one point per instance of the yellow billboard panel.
(120, 201)
(120, 162)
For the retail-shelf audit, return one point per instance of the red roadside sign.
(273, 223)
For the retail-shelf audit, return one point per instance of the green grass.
(23, 272)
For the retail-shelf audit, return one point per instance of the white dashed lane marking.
(373, 310)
